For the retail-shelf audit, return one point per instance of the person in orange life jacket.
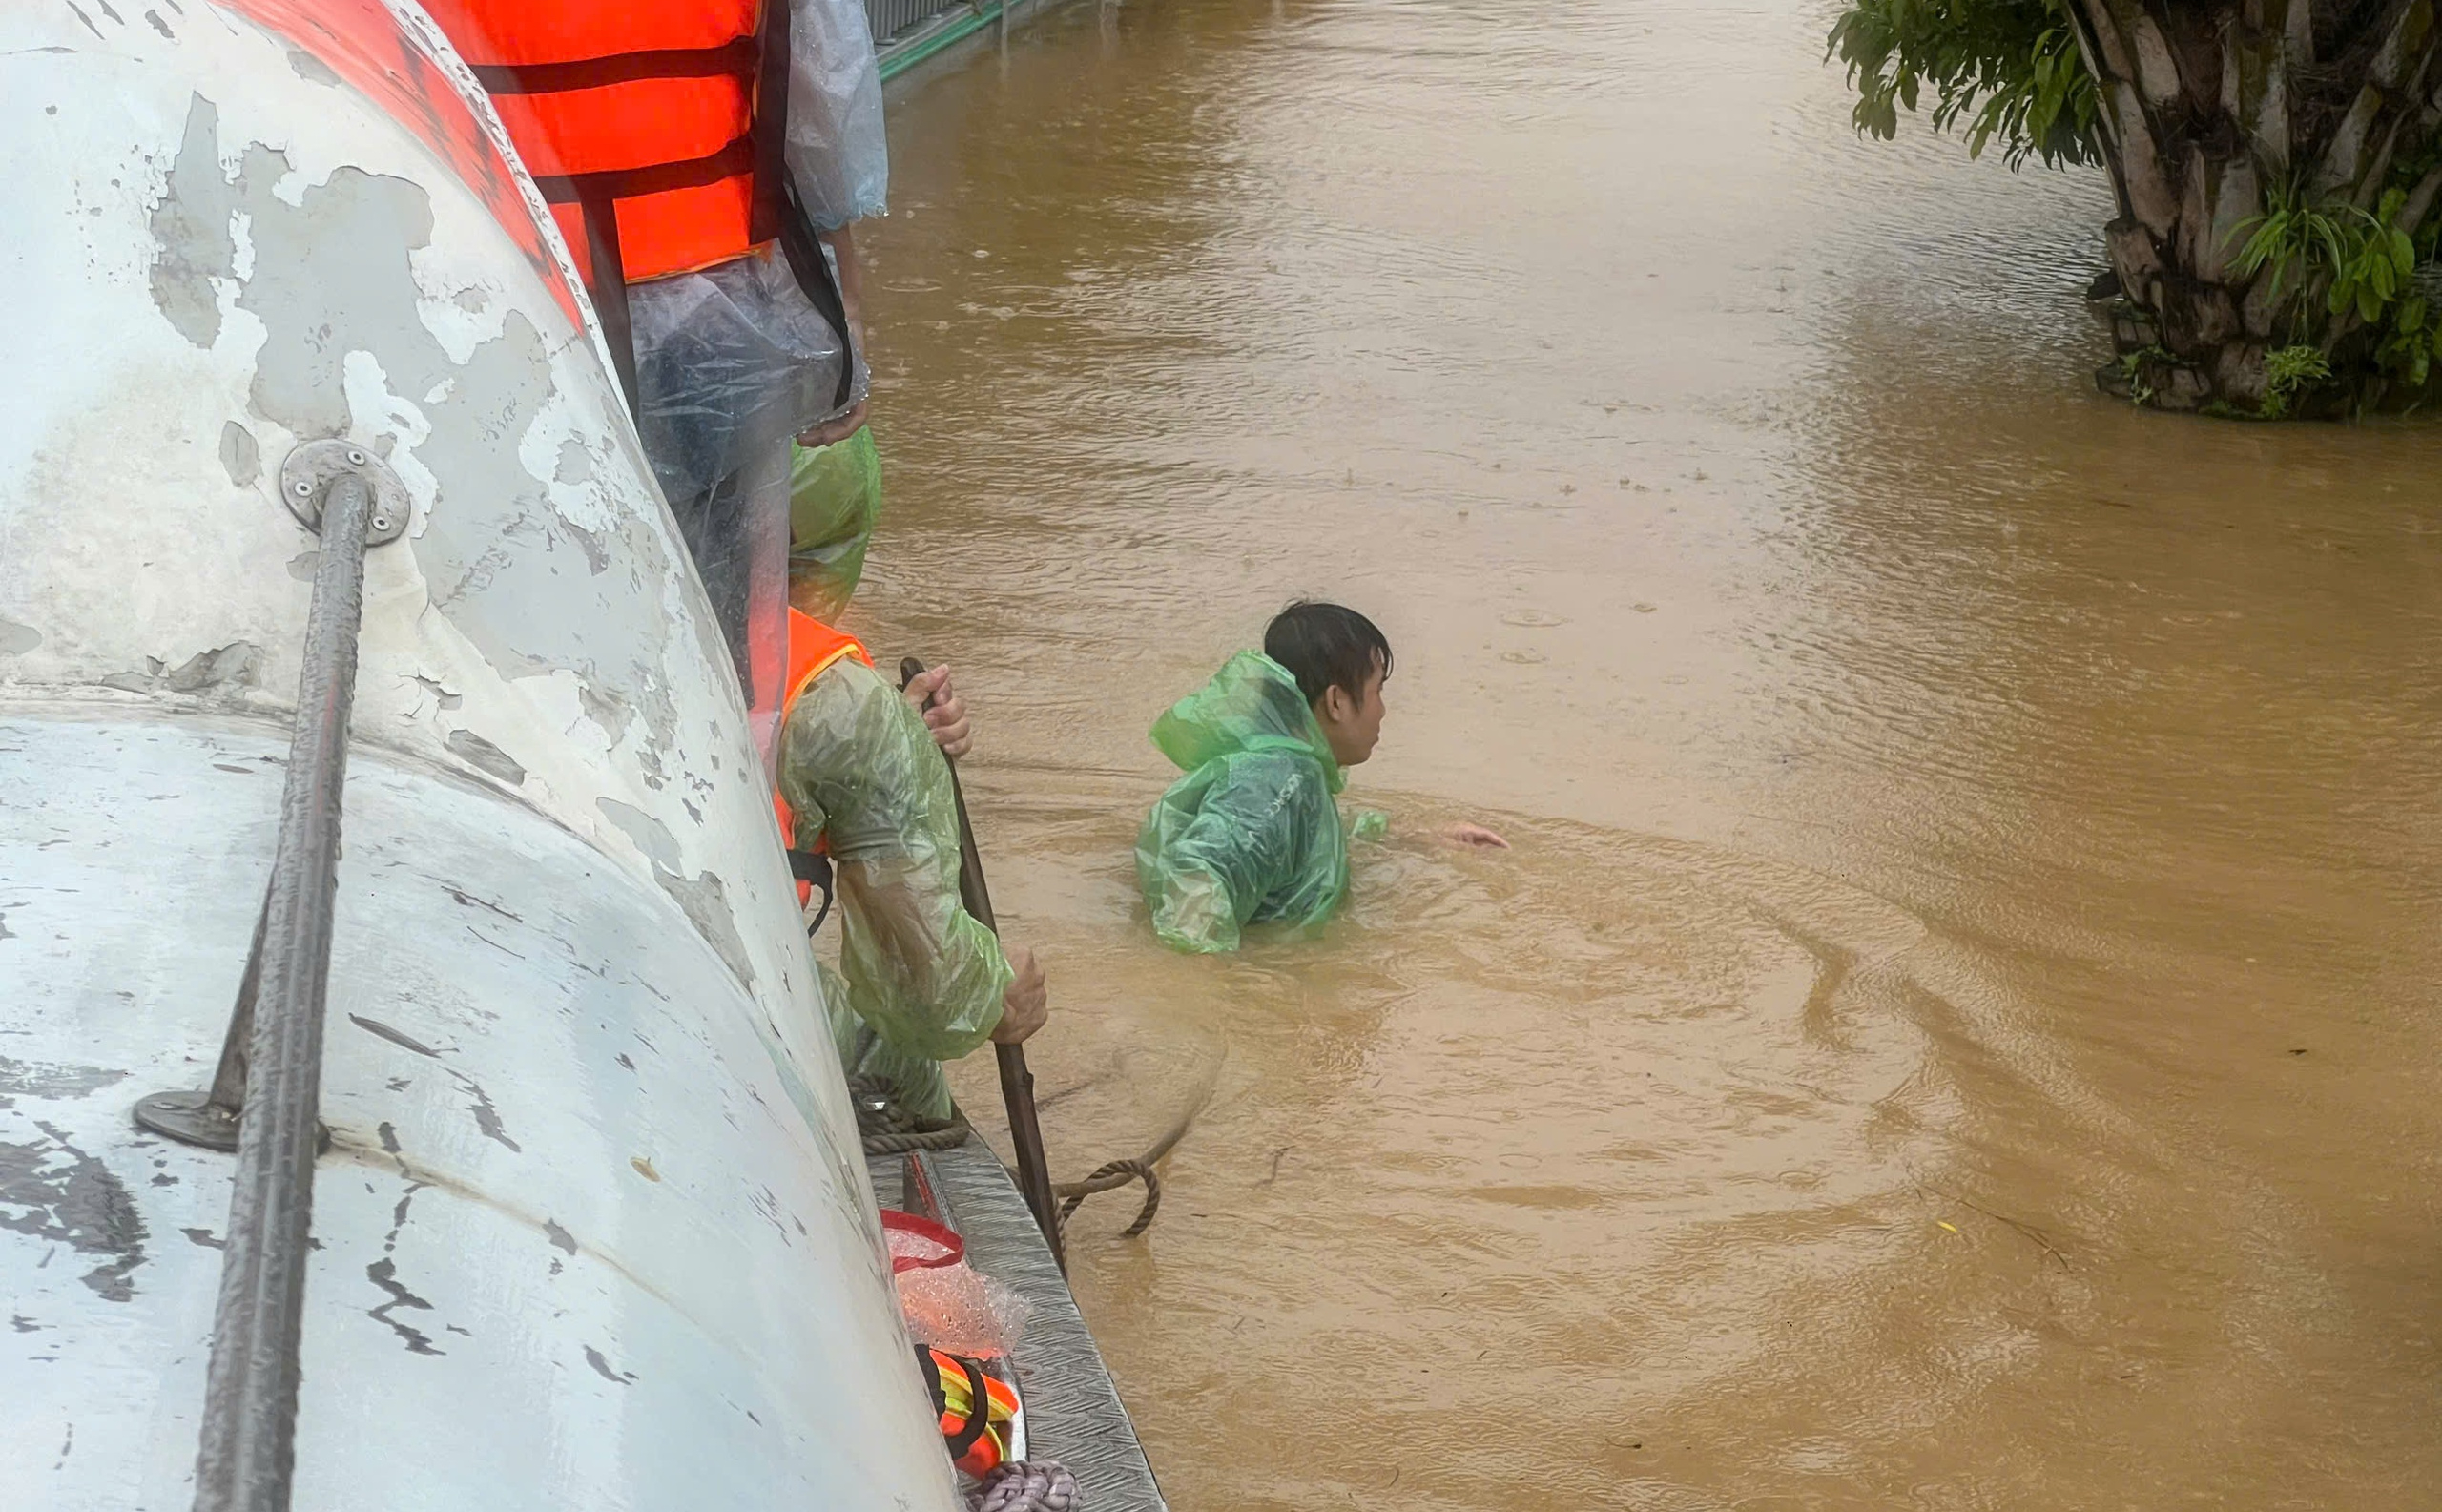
(704, 160)
(707, 161)
(862, 769)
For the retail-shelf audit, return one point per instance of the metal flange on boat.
(305, 482)
(309, 478)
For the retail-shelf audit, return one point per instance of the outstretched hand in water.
(1474, 838)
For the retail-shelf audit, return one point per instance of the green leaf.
(2002, 72)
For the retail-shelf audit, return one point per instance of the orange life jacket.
(646, 109)
(656, 130)
(813, 649)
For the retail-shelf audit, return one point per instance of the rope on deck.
(1026, 1485)
(890, 1129)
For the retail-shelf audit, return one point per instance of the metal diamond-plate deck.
(1073, 1412)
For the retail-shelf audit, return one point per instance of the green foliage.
(2412, 342)
(2007, 69)
(2295, 238)
(2368, 260)
(2367, 263)
(2380, 267)
(2289, 371)
(2133, 366)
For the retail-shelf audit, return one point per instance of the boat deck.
(1073, 1412)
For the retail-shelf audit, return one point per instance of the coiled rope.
(885, 1128)
(1119, 1173)
(1111, 1177)
(1026, 1485)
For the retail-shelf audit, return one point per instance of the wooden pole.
(1017, 1082)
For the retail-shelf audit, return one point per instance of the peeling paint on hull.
(576, 1060)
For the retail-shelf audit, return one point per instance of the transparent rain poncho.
(733, 356)
(733, 360)
(1251, 833)
(925, 977)
(835, 152)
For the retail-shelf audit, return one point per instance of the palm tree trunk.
(2205, 108)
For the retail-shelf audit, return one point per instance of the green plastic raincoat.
(925, 977)
(835, 496)
(1251, 833)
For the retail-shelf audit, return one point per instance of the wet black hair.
(1326, 646)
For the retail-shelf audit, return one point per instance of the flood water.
(1957, 1028)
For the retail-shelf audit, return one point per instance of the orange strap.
(815, 648)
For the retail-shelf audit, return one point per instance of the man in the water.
(1252, 833)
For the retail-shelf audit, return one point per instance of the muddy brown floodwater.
(1958, 1029)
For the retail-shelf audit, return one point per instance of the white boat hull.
(592, 1232)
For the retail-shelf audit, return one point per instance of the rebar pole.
(250, 1391)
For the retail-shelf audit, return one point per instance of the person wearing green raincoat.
(1251, 833)
(866, 778)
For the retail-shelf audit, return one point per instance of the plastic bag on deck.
(959, 1309)
(1251, 833)
(835, 496)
